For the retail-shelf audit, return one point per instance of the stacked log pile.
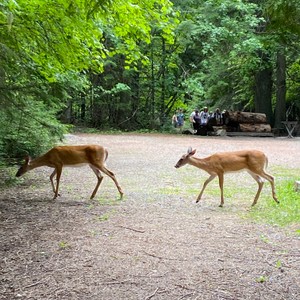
(237, 121)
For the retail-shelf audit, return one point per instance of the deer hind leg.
(207, 181)
(270, 178)
(99, 177)
(260, 183)
(112, 176)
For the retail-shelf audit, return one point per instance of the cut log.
(246, 117)
(255, 127)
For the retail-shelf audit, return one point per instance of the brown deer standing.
(253, 161)
(60, 156)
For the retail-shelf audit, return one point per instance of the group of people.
(202, 121)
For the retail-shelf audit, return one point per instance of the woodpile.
(237, 121)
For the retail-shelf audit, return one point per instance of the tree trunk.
(163, 81)
(263, 89)
(82, 107)
(152, 87)
(280, 108)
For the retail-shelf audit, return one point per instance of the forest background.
(128, 65)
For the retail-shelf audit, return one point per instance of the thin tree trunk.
(152, 97)
(280, 108)
(163, 81)
(263, 89)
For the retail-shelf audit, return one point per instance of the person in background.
(174, 120)
(180, 119)
(192, 121)
(196, 121)
(204, 116)
(218, 117)
(192, 115)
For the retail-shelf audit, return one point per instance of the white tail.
(58, 157)
(253, 161)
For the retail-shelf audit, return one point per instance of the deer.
(253, 161)
(72, 156)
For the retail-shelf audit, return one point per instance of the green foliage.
(284, 17)
(48, 51)
(31, 128)
(221, 47)
(286, 213)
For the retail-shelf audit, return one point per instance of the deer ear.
(191, 152)
(27, 159)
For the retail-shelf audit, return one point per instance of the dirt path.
(154, 244)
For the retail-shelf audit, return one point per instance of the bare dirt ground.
(156, 243)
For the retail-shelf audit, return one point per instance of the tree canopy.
(129, 64)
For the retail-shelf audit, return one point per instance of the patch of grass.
(106, 216)
(63, 245)
(106, 200)
(284, 214)
(233, 189)
(103, 217)
(170, 190)
(261, 279)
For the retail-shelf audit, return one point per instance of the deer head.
(24, 168)
(184, 159)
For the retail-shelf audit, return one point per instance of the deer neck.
(37, 162)
(198, 162)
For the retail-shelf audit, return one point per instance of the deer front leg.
(51, 179)
(207, 181)
(58, 174)
(221, 182)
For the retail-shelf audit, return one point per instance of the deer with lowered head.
(252, 161)
(72, 156)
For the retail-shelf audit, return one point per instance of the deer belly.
(76, 165)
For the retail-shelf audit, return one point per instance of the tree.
(48, 48)
(283, 32)
(236, 50)
(220, 51)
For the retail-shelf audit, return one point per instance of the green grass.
(242, 188)
(63, 245)
(104, 217)
(107, 199)
(284, 214)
